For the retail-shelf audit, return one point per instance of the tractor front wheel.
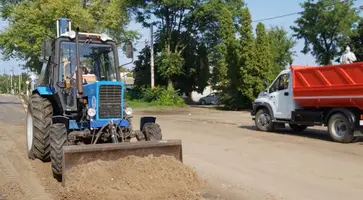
(152, 131)
(58, 139)
(39, 119)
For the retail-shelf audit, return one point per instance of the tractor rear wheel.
(39, 119)
(152, 131)
(58, 139)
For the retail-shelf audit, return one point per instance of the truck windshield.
(97, 61)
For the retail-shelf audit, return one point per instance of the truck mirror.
(129, 49)
(265, 82)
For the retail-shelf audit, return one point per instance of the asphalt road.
(18, 180)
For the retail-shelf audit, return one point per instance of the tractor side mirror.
(129, 49)
(61, 84)
(46, 50)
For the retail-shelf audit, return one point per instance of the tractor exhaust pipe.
(79, 69)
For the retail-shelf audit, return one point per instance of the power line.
(290, 14)
(276, 17)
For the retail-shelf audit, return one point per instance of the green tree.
(263, 60)
(325, 26)
(215, 24)
(30, 21)
(248, 70)
(181, 55)
(4, 83)
(281, 48)
(142, 70)
(169, 16)
(357, 41)
(196, 73)
(124, 69)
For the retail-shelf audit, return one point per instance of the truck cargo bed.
(328, 86)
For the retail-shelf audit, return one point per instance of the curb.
(25, 101)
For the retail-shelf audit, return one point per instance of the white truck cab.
(278, 97)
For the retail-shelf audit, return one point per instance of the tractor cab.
(97, 60)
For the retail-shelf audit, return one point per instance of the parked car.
(212, 98)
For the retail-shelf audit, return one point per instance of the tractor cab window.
(97, 62)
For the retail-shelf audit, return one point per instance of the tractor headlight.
(128, 111)
(91, 112)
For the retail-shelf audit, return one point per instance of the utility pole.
(11, 80)
(7, 83)
(152, 56)
(19, 82)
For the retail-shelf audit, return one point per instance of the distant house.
(195, 96)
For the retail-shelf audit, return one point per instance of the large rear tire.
(339, 128)
(152, 131)
(58, 139)
(263, 121)
(39, 119)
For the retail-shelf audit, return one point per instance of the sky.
(260, 9)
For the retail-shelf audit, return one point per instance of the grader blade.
(81, 154)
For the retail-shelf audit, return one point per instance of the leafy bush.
(169, 98)
(150, 95)
(132, 95)
(159, 96)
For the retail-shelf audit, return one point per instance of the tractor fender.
(145, 120)
(61, 119)
(43, 91)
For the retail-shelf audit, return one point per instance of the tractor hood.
(107, 98)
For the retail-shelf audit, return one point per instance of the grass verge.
(139, 104)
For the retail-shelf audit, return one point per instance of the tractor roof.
(72, 35)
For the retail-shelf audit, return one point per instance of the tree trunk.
(170, 84)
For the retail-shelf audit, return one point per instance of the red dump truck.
(305, 96)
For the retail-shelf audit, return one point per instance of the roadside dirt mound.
(131, 178)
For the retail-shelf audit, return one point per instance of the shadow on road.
(205, 106)
(308, 133)
(8, 102)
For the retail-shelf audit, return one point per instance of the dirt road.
(237, 161)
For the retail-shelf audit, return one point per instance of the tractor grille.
(110, 101)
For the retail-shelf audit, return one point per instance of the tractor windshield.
(97, 61)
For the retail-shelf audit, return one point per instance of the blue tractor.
(77, 112)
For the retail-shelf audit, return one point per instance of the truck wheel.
(263, 121)
(297, 128)
(39, 119)
(58, 139)
(152, 131)
(339, 128)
